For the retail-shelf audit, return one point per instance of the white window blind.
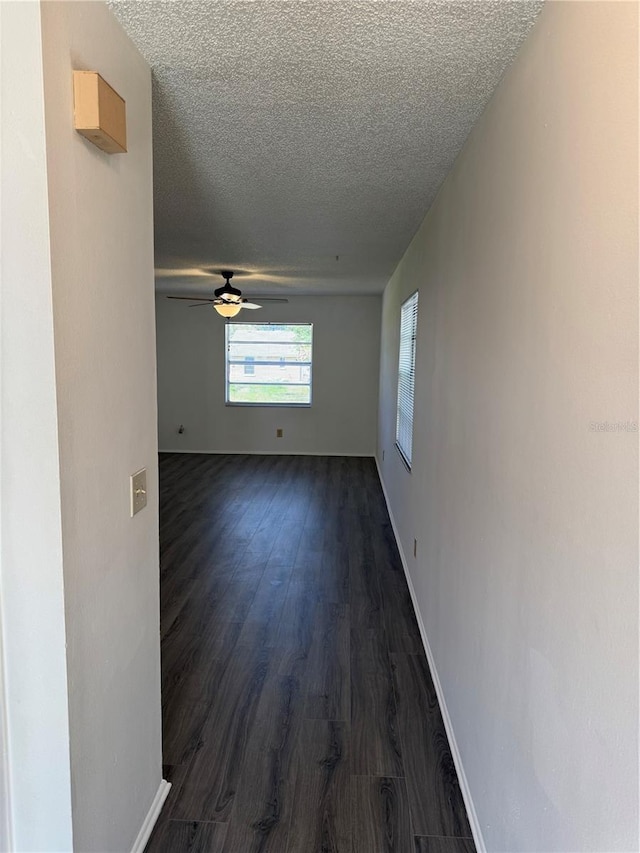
(406, 376)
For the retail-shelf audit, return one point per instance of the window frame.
(406, 387)
(285, 404)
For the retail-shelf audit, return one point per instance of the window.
(269, 364)
(406, 377)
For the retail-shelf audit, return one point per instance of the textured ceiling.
(289, 133)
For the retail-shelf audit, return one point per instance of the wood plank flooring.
(298, 710)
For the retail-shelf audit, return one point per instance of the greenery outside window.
(268, 364)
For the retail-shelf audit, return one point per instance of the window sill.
(405, 461)
(271, 405)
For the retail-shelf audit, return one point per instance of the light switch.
(138, 491)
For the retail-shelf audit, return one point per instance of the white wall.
(101, 227)
(526, 517)
(191, 380)
(37, 727)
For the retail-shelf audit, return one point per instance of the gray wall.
(35, 811)
(101, 231)
(191, 380)
(526, 514)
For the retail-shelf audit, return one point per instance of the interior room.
(319, 426)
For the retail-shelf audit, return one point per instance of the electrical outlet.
(138, 491)
(279, 433)
(415, 548)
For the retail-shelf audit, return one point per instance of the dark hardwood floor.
(298, 710)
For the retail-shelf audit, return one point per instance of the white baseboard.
(269, 452)
(152, 816)
(455, 752)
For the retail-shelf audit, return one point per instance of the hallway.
(298, 710)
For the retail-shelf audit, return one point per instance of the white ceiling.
(289, 133)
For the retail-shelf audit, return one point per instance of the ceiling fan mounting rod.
(228, 290)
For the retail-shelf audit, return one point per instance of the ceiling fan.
(228, 300)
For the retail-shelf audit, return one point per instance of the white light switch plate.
(138, 491)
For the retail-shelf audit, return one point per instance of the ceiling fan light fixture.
(228, 309)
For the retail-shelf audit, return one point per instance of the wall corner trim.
(152, 816)
(457, 760)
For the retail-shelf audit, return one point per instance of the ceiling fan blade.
(192, 298)
(202, 304)
(251, 305)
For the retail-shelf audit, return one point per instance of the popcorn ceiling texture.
(287, 133)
